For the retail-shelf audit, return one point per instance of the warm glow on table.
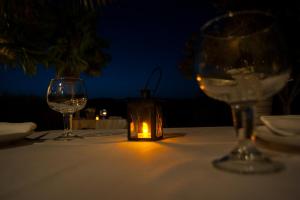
(97, 118)
(178, 167)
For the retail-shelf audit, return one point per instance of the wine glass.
(67, 95)
(241, 61)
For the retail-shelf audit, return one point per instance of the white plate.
(15, 131)
(9, 137)
(285, 125)
(263, 133)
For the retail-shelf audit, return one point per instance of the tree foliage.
(60, 34)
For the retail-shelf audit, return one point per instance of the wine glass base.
(68, 136)
(247, 161)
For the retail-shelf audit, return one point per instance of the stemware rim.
(232, 14)
(67, 78)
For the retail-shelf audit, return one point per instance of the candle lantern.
(145, 119)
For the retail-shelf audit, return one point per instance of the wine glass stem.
(243, 121)
(67, 124)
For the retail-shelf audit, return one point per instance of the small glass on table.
(67, 95)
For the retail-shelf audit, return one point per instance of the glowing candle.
(145, 131)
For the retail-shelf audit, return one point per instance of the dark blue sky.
(142, 35)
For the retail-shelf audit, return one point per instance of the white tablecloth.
(110, 167)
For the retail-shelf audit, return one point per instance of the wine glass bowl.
(241, 61)
(67, 95)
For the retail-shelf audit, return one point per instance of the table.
(110, 167)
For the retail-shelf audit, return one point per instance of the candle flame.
(97, 118)
(145, 127)
(145, 131)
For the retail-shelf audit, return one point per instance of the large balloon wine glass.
(242, 61)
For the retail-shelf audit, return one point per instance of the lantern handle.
(156, 69)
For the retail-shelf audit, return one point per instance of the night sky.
(142, 35)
